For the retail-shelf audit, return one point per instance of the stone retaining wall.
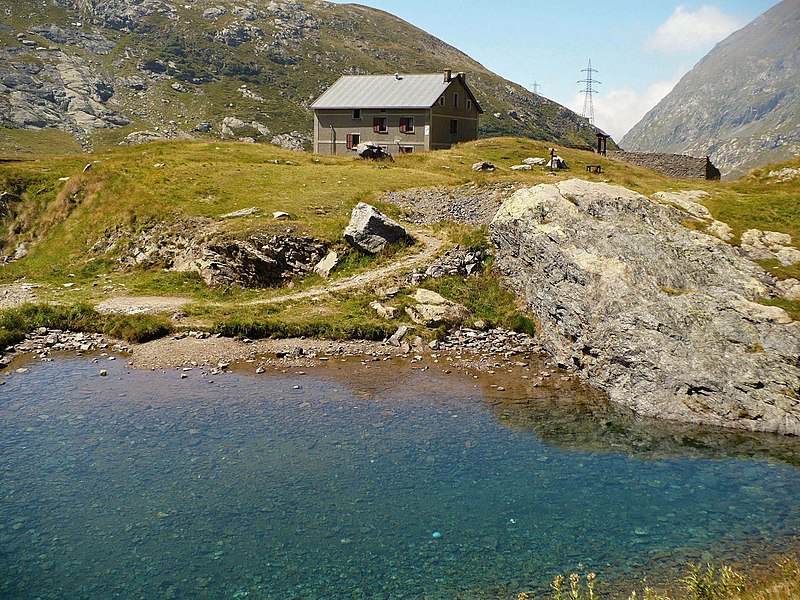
(672, 165)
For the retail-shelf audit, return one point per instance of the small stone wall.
(672, 165)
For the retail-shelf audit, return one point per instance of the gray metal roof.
(383, 91)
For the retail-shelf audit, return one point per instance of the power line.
(536, 87)
(588, 90)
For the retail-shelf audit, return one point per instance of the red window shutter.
(376, 124)
(349, 141)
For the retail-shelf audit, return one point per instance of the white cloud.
(616, 111)
(685, 30)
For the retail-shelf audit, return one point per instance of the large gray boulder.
(663, 318)
(370, 230)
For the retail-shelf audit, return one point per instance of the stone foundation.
(672, 165)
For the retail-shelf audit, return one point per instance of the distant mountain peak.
(740, 104)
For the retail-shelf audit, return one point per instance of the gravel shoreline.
(464, 350)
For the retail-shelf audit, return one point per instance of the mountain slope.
(92, 72)
(740, 104)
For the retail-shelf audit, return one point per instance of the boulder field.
(665, 319)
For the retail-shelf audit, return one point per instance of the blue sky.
(640, 48)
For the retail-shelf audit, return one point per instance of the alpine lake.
(363, 480)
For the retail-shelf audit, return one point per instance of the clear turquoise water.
(143, 485)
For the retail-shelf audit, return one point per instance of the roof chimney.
(462, 75)
(448, 75)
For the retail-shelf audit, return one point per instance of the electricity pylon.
(588, 90)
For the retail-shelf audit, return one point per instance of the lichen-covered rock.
(455, 261)
(661, 317)
(434, 310)
(369, 230)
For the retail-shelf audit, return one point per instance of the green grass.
(486, 299)
(339, 317)
(60, 220)
(37, 143)
(124, 188)
(16, 322)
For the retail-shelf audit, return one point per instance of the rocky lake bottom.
(353, 480)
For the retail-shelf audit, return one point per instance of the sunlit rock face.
(665, 319)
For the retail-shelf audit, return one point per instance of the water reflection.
(592, 425)
(331, 484)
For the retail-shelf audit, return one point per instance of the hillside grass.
(61, 220)
(59, 210)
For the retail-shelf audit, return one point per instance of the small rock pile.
(294, 141)
(43, 341)
(17, 294)
(496, 342)
(456, 261)
(784, 175)
(484, 165)
(197, 245)
(769, 245)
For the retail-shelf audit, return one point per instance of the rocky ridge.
(663, 318)
(104, 71)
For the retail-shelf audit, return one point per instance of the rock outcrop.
(220, 260)
(369, 230)
(665, 319)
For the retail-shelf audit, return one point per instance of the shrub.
(136, 328)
